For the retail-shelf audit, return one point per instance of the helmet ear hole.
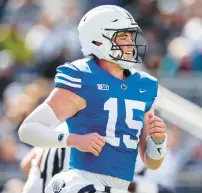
(97, 43)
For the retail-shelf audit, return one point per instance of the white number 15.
(111, 105)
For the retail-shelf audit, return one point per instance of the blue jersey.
(115, 109)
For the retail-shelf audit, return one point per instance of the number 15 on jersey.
(111, 105)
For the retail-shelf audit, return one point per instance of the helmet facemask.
(116, 53)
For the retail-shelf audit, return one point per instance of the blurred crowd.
(37, 36)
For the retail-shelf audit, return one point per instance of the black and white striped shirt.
(54, 160)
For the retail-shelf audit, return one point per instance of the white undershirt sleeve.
(38, 129)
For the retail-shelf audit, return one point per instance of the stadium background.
(37, 36)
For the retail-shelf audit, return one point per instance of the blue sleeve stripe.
(67, 83)
(67, 77)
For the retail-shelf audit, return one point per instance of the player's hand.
(157, 128)
(92, 142)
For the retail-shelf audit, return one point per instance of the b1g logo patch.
(58, 185)
(102, 87)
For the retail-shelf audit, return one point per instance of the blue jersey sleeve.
(69, 77)
(153, 91)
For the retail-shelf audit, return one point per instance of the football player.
(107, 104)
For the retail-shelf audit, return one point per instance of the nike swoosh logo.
(142, 91)
(159, 150)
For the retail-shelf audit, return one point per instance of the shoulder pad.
(146, 75)
(69, 65)
(82, 65)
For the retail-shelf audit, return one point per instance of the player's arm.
(153, 141)
(38, 128)
(63, 103)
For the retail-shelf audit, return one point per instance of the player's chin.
(128, 56)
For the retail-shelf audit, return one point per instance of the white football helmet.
(100, 25)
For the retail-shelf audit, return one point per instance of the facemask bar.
(138, 58)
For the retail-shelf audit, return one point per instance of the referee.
(40, 165)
